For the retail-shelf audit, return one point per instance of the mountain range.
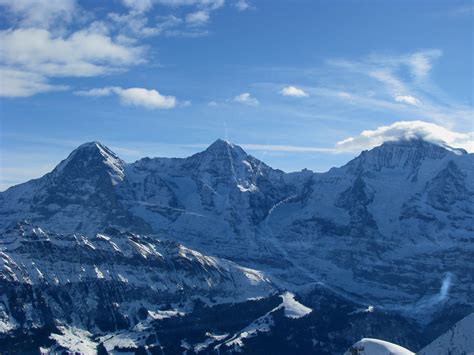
(219, 252)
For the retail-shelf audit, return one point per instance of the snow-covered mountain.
(79, 195)
(392, 226)
(391, 230)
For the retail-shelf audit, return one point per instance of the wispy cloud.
(197, 18)
(286, 148)
(243, 5)
(464, 10)
(40, 14)
(399, 83)
(138, 6)
(385, 76)
(422, 62)
(138, 22)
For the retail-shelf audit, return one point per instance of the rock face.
(393, 228)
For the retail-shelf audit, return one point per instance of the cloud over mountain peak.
(407, 130)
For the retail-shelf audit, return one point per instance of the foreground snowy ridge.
(368, 346)
(459, 339)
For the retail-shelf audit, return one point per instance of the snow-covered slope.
(457, 340)
(103, 282)
(292, 309)
(368, 346)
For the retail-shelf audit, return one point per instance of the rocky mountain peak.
(89, 158)
(401, 154)
(223, 158)
(221, 146)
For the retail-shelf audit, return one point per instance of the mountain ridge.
(390, 232)
(227, 203)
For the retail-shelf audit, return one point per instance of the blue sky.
(296, 83)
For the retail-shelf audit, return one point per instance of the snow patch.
(293, 309)
(99, 274)
(75, 340)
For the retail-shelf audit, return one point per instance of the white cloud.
(44, 40)
(150, 99)
(242, 5)
(17, 83)
(140, 97)
(247, 99)
(408, 130)
(40, 55)
(293, 91)
(212, 103)
(197, 18)
(407, 99)
(82, 53)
